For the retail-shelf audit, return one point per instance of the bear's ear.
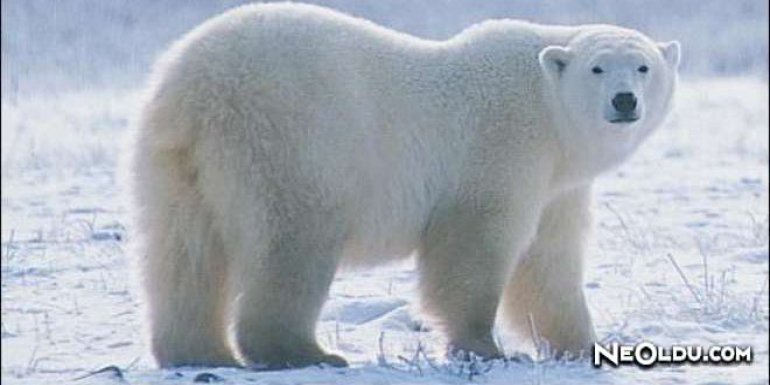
(671, 52)
(553, 59)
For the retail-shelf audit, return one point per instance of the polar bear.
(279, 142)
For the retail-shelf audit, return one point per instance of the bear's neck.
(575, 166)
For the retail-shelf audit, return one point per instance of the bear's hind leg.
(282, 293)
(185, 274)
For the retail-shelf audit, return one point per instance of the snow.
(680, 253)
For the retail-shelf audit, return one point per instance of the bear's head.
(609, 88)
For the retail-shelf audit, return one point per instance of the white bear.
(281, 141)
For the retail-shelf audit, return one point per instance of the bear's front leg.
(546, 288)
(464, 261)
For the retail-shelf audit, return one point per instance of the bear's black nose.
(624, 102)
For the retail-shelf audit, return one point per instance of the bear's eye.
(643, 69)
(597, 70)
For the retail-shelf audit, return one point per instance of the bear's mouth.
(624, 119)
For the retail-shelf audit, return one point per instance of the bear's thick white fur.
(281, 141)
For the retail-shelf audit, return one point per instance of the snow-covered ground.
(695, 196)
